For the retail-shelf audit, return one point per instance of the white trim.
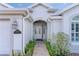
(55, 17)
(6, 5)
(44, 4)
(28, 16)
(65, 9)
(72, 42)
(40, 18)
(18, 11)
(15, 9)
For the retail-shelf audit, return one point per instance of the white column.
(23, 33)
(27, 31)
(31, 30)
(18, 37)
(51, 29)
(48, 30)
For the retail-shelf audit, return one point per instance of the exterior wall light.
(14, 25)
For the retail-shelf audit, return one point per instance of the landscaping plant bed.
(60, 47)
(29, 48)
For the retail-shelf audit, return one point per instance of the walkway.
(40, 49)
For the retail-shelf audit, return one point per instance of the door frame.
(42, 28)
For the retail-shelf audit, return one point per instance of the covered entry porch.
(40, 30)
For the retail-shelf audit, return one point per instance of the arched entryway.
(40, 30)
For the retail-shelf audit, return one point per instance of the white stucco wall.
(18, 38)
(39, 11)
(27, 31)
(57, 26)
(67, 17)
(54, 27)
(16, 41)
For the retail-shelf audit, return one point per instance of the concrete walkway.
(40, 49)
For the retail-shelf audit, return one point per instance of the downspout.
(23, 30)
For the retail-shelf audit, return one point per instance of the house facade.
(38, 21)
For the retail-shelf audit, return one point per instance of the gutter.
(23, 29)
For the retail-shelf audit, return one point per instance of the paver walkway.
(40, 49)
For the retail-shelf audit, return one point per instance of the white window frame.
(75, 22)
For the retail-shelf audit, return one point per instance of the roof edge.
(31, 6)
(65, 9)
(7, 5)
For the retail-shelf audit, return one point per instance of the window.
(75, 29)
(76, 17)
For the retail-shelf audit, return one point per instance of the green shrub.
(29, 48)
(60, 47)
(48, 46)
(17, 53)
(62, 44)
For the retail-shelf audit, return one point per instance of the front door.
(38, 32)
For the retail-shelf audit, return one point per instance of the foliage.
(29, 48)
(17, 53)
(48, 46)
(60, 47)
(62, 44)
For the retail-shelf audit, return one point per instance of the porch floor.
(40, 49)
